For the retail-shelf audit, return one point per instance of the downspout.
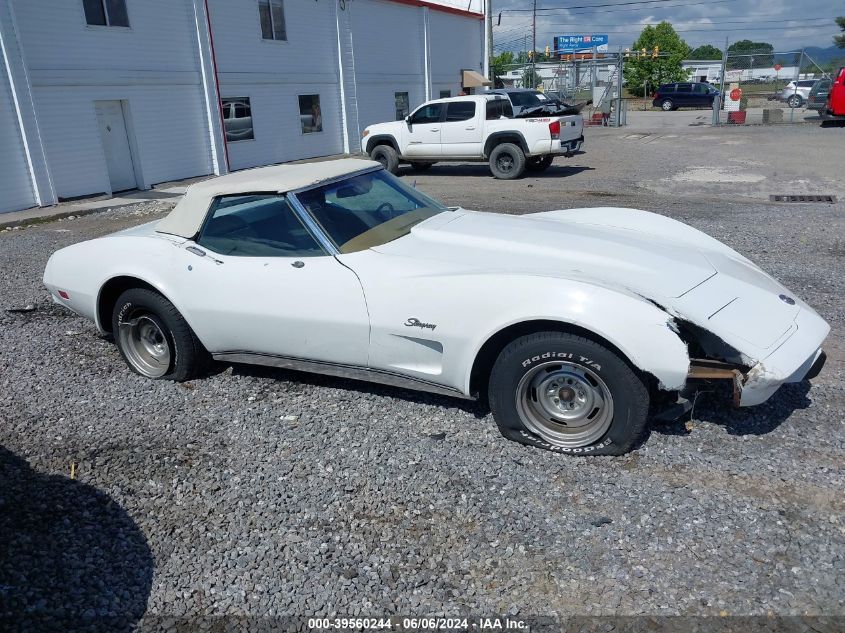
(426, 55)
(344, 122)
(217, 85)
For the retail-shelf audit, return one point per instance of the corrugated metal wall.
(366, 52)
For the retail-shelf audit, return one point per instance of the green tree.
(747, 54)
(705, 51)
(530, 78)
(502, 62)
(665, 68)
(839, 40)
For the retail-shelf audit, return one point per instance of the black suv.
(682, 95)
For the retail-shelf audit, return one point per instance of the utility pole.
(534, 47)
(491, 75)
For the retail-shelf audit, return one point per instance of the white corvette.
(576, 325)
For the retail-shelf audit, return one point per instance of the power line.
(590, 6)
(644, 24)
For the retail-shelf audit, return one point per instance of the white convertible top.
(187, 216)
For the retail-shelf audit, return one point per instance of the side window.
(701, 89)
(494, 109)
(402, 105)
(685, 88)
(259, 225)
(237, 119)
(428, 114)
(668, 88)
(271, 13)
(460, 111)
(106, 12)
(310, 115)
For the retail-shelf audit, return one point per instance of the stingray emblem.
(787, 300)
(412, 322)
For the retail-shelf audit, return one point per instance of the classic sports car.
(575, 324)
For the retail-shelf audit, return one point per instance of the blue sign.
(580, 43)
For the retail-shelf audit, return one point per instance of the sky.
(786, 24)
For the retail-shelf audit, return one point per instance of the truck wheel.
(567, 394)
(507, 161)
(387, 156)
(540, 163)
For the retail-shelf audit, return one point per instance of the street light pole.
(534, 48)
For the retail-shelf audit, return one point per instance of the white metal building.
(105, 95)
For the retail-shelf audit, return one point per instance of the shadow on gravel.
(476, 408)
(481, 170)
(70, 557)
(715, 406)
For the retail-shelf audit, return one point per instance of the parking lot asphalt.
(257, 493)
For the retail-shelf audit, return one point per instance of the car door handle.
(436, 129)
(471, 127)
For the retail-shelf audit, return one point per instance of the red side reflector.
(554, 128)
(63, 294)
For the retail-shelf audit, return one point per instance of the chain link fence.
(591, 81)
(768, 88)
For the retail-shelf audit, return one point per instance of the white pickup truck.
(474, 128)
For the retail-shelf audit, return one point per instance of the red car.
(836, 96)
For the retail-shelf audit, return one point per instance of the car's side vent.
(828, 199)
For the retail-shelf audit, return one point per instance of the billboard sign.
(580, 43)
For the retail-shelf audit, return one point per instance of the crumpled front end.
(744, 326)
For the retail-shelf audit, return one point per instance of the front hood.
(609, 256)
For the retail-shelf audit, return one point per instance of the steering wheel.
(385, 211)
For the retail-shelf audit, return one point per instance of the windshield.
(367, 210)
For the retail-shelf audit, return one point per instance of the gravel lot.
(256, 492)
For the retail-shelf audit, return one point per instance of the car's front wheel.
(539, 163)
(507, 161)
(154, 339)
(667, 105)
(569, 394)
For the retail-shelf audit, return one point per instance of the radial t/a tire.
(387, 156)
(567, 394)
(154, 339)
(507, 161)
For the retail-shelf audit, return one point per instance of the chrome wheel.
(566, 404)
(666, 105)
(145, 345)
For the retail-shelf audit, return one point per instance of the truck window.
(428, 113)
(460, 110)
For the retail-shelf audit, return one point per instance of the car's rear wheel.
(539, 163)
(387, 156)
(507, 161)
(154, 339)
(420, 166)
(667, 105)
(569, 394)
(794, 101)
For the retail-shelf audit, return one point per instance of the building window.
(237, 119)
(310, 117)
(106, 12)
(272, 15)
(445, 94)
(403, 105)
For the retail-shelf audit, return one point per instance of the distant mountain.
(825, 55)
